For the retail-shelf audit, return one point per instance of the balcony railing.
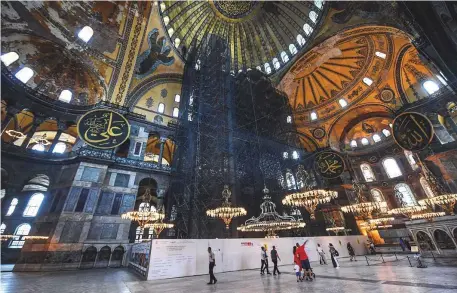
(85, 154)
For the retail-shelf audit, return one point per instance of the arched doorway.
(88, 259)
(424, 241)
(117, 257)
(443, 240)
(103, 257)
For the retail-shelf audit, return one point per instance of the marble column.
(162, 146)
(61, 127)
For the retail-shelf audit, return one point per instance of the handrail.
(83, 154)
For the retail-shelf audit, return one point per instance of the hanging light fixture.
(159, 226)
(226, 212)
(269, 220)
(146, 213)
(309, 199)
(362, 208)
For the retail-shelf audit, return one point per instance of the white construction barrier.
(172, 258)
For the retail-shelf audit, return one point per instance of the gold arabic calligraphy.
(412, 132)
(330, 164)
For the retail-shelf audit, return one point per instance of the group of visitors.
(301, 261)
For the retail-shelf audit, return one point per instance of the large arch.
(88, 258)
(425, 241)
(443, 239)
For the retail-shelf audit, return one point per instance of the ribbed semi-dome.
(263, 35)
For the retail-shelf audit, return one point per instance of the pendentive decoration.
(412, 131)
(103, 129)
(329, 164)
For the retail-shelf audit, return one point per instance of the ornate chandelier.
(446, 201)
(309, 199)
(146, 213)
(159, 226)
(363, 208)
(427, 215)
(226, 212)
(269, 220)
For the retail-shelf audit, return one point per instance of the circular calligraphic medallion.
(412, 131)
(319, 133)
(329, 164)
(103, 129)
(387, 95)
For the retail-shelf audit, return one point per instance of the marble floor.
(352, 277)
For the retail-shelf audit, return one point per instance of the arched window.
(285, 155)
(353, 143)
(313, 116)
(9, 58)
(376, 137)
(313, 16)
(177, 98)
(386, 132)
(144, 207)
(197, 64)
(367, 172)
(380, 54)
(38, 147)
(276, 63)
(24, 75)
(171, 31)
(289, 119)
(161, 108)
(391, 167)
(162, 7)
(65, 96)
(60, 148)
(404, 195)
(166, 20)
(12, 207)
(19, 239)
(292, 49)
(318, 3)
(284, 57)
(308, 29)
(295, 155)
(86, 33)
(343, 103)
(33, 205)
(365, 141)
(267, 68)
(426, 187)
(177, 42)
(441, 79)
(376, 195)
(290, 180)
(259, 68)
(2, 228)
(367, 81)
(138, 234)
(430, 86)
(175, 112)
(301, 40)
(410, 157)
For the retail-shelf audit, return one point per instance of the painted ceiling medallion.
(387, 95)
(319, 133)
(235, 9)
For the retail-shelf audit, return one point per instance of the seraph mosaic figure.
(157, 54)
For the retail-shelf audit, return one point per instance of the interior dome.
(256, 32)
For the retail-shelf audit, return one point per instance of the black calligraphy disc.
(103, 129)
(412, 131)
(329, 164)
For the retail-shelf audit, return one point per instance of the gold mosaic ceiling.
(255, 31)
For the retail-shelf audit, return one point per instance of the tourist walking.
(212, 264)
(321, 253)
(334, 254)
(351, 252)
(305, 265)
(264, 261)
(274, 258)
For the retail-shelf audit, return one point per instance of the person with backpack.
(334, 254)
(351, 252)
